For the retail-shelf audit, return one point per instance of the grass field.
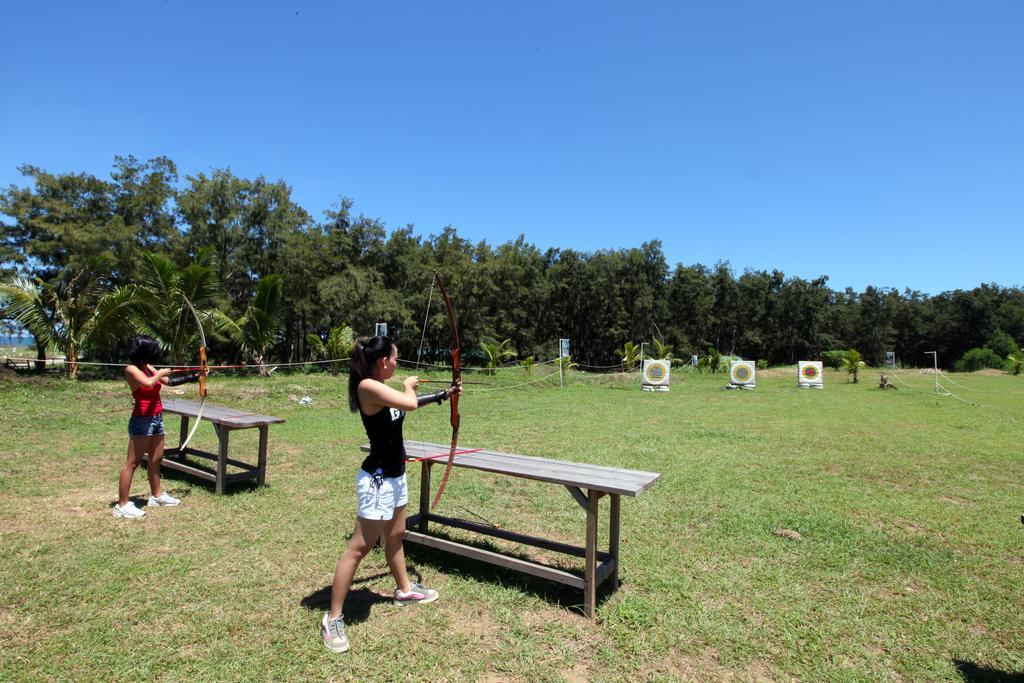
(909, 563)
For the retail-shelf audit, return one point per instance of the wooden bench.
(586, 483)
(225, 421)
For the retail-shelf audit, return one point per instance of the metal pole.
(560, 363)
(935, 367)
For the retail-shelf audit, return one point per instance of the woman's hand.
(412, 382)
(455, 389)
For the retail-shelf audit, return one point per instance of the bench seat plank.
(229, 417)
(581, 475)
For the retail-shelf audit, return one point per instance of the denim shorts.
(146, 425)
(378, 496)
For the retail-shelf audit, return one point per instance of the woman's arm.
(178, 380)
(137, 378)
(374, 394)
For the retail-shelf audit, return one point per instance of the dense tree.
(66, 229)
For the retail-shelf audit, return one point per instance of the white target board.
(741, 374)
(655, 375)
(808, 374)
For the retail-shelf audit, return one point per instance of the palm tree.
(663, 351)
(338, 346)
(167, 318)
(629, 353)
(528, 364)
(495, 352)
(851, 362)
(258, 330)
(74, 316)
(712, 361)
(567, 363)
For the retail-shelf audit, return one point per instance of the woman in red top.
(146, 426)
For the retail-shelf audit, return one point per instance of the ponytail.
(365, 353)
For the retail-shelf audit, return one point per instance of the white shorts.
(379, 501)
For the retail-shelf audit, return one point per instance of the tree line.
(78, 237)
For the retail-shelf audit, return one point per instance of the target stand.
(655, 375)
(742, 375)
(808, 374)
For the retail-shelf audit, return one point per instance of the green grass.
(910, 567)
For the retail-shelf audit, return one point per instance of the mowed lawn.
(907, 561)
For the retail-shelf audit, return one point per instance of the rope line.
(512, 386)
(177, 367)
(417, 364)
(952, 381)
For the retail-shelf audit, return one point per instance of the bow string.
(203, 369)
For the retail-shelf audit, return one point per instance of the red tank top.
(147, 401)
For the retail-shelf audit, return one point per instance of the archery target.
(656, 372)
(809, 373)
(741, 373)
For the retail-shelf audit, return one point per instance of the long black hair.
(144, 349)
(365, 353)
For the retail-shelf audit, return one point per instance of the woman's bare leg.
(363, 539)
(136, 447)
(155, 448)
(394, 550)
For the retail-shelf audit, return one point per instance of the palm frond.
(114, 316)
(24, 302)
(159, 275)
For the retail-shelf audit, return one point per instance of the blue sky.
(874, 142)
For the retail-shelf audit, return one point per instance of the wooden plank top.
(229, 417)
(597, 477)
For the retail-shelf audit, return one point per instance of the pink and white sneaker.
(418, 595)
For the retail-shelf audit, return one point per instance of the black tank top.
(387, 449)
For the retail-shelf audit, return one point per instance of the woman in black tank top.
(380, 484)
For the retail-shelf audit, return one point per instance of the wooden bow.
(203, 369)
(453, 400)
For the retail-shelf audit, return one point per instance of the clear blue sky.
(874, 142)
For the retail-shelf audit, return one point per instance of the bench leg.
(590, 563)
(424, 496)
(613, 539)
(182, 434)
(222, 456)
(261, 476)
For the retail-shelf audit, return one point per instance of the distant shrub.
(976, 359)
(762, 364)
(833, 359)
(1002, 343)
(713, 361)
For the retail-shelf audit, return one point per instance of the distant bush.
(713, 361)
(762, 364)
(976, 359)
(1002, 343)
(833, 359)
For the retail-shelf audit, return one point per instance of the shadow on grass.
(360, 600)
(973, 673)
(230, 489)
(564, 596)
(357, 605)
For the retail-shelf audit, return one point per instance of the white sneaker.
(128, 510)
(165, 499)
(333, 633)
